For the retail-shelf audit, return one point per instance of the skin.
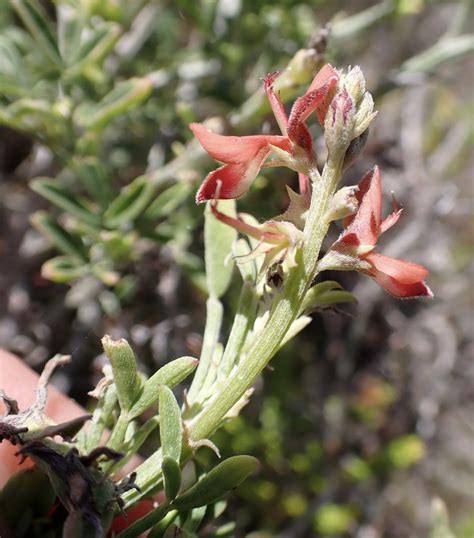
(19, 381)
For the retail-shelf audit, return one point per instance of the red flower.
(243, 156)
(400, 278)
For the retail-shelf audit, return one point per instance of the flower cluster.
(244, 156)
(355, 247)
(345, 110)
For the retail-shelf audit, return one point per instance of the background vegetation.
(368, 415)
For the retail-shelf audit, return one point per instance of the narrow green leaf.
(130, 203)
(132, 444)
(12, 69)
(162, 516)
(36, 20)
(58, 236)
(93, 49)
(171, 476)
(170, 374)
(95, 178)
(125, 96)
(11, 88)
(124, 368)
(60, 197)
(219, 481)
(325, 294)
(64, 269)
(171, 427)
(194, 519)
(295, 328)
(218, 240)
(444, 50)
(168, 200)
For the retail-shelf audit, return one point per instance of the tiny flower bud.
(343, 204)
(338, 125)
(365, 114)
(355, 84)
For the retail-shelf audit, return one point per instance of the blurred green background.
(368, 415)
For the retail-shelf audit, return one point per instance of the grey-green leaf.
(326, 294)
(124, 368)
(218, 240)
(171, 427)
(58, 236)
(125, 96)
(169, 200)
(130, 203)
(93, 49)
(172, 477)
(36, 20)
(59, 196)
(170, 374)
(64, 269)
(219, 481)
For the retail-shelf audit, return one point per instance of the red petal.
(235, 149)
(317, 96)
(322, 76)
(235, 179)
(366, 222)
(401, 270)
(402, 291)
(389, 221)
(275, 102)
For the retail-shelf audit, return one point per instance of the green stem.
(285, 309)
(284, 312)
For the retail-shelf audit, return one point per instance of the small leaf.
(58, 236)
(96, 179)
(56, 194)
(93, 49)
(325, 294)
(130, 203)
(171, 427)
(124, 368)
(64, 269)
(218, 240)
(170, 374)
(219, 481)
(169, 200)
(36, 20)
(125, 96)
(172, 477)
